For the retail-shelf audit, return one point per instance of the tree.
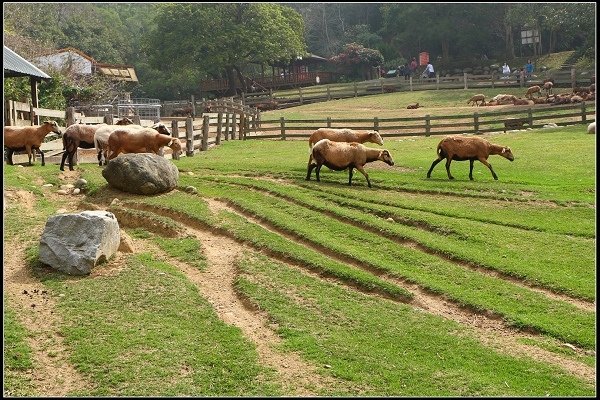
(223, 38)
(358, 59)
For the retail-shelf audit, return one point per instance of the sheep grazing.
(101, 138)
(413, 106)
(503, 99)
(592, 128)
(28, 138)
(461, 148)
(144, 140)
(339, 156)
(477, 100)
(532, 90)
(77, 136)
(342, 135)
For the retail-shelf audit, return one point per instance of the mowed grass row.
(389, 349)
(519, 306)
(196, 210)
(516, 252)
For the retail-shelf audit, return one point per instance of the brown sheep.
(143, 140)
(532, 90)
(28, 138)
(101, 138)
(77, 136)
(342, 135)
(461, 148)
(477, 100)
(339, 156)
(413, 106)
(523, 102)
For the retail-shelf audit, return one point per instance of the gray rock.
(76, 243)
(141, 173)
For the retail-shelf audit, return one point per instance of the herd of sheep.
(337, 149)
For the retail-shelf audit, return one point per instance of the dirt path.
(52, 373)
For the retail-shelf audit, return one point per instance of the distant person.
(413, 66)
(505, 71)
(528, 69)
(402, 70)
(318, 80)
(429, 70)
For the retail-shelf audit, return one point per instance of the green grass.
(149, 332)
(388, 349)
(17, 357)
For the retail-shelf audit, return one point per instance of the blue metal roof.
(15, 65)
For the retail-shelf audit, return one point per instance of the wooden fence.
(477, 123)
(314, 94)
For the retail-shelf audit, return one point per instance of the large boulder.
(76, 243)
(141, 173)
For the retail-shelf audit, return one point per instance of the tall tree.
(210, 38)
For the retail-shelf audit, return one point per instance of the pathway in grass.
(52, 374)
(216, 285)
(491, 332)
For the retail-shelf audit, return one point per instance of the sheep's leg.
(29, 151)
(448, 161)
(309, 170)
(41, 155)
(62, 161)
(318, 172)
(471, 161)
(433, 164)
(8, 154)
(350, 176)
(362, 171)
(487, 164)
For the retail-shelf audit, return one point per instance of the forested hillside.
(174, 45)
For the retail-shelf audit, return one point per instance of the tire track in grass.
(216, 284)
(489, 328)
(485, 270)
(52, 374)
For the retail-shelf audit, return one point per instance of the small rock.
(390, 219)
(61, 191)
(67, 186)
(115, 202)
(61, 211)
(76, 191)
(81, 183)
(191, 189)
(190, 173)
(48, 185)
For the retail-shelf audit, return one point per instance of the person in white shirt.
(506, 71)
(429, 69)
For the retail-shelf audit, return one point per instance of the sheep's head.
(386, 157)
(175, 145)
(506, 153)
(375, 137)
(52, 126)
(162, 129)
(124, 121)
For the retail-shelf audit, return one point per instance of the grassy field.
(415, 287)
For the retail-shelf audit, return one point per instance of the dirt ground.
(55, 376)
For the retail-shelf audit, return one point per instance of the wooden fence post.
(573, 79)
(381, 84)
(219, 127)
(300, 94)
(175, 135)
(530, 117)
(476, 123)
(205, 129)
(233, 125)
(137, 120)
(70, 116)
(583, 115)
(376, 124)
(243, 98)
(437, 81)
(328, 93)
(493, 83)
(465, 80)
(226, 132)
(189, 137)
(410, 83)
(282, 123)
(427, 125)
(193, 106)
(32, 115)
(355, 90)
(270, 94)
(242, 132)
(329, 122)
